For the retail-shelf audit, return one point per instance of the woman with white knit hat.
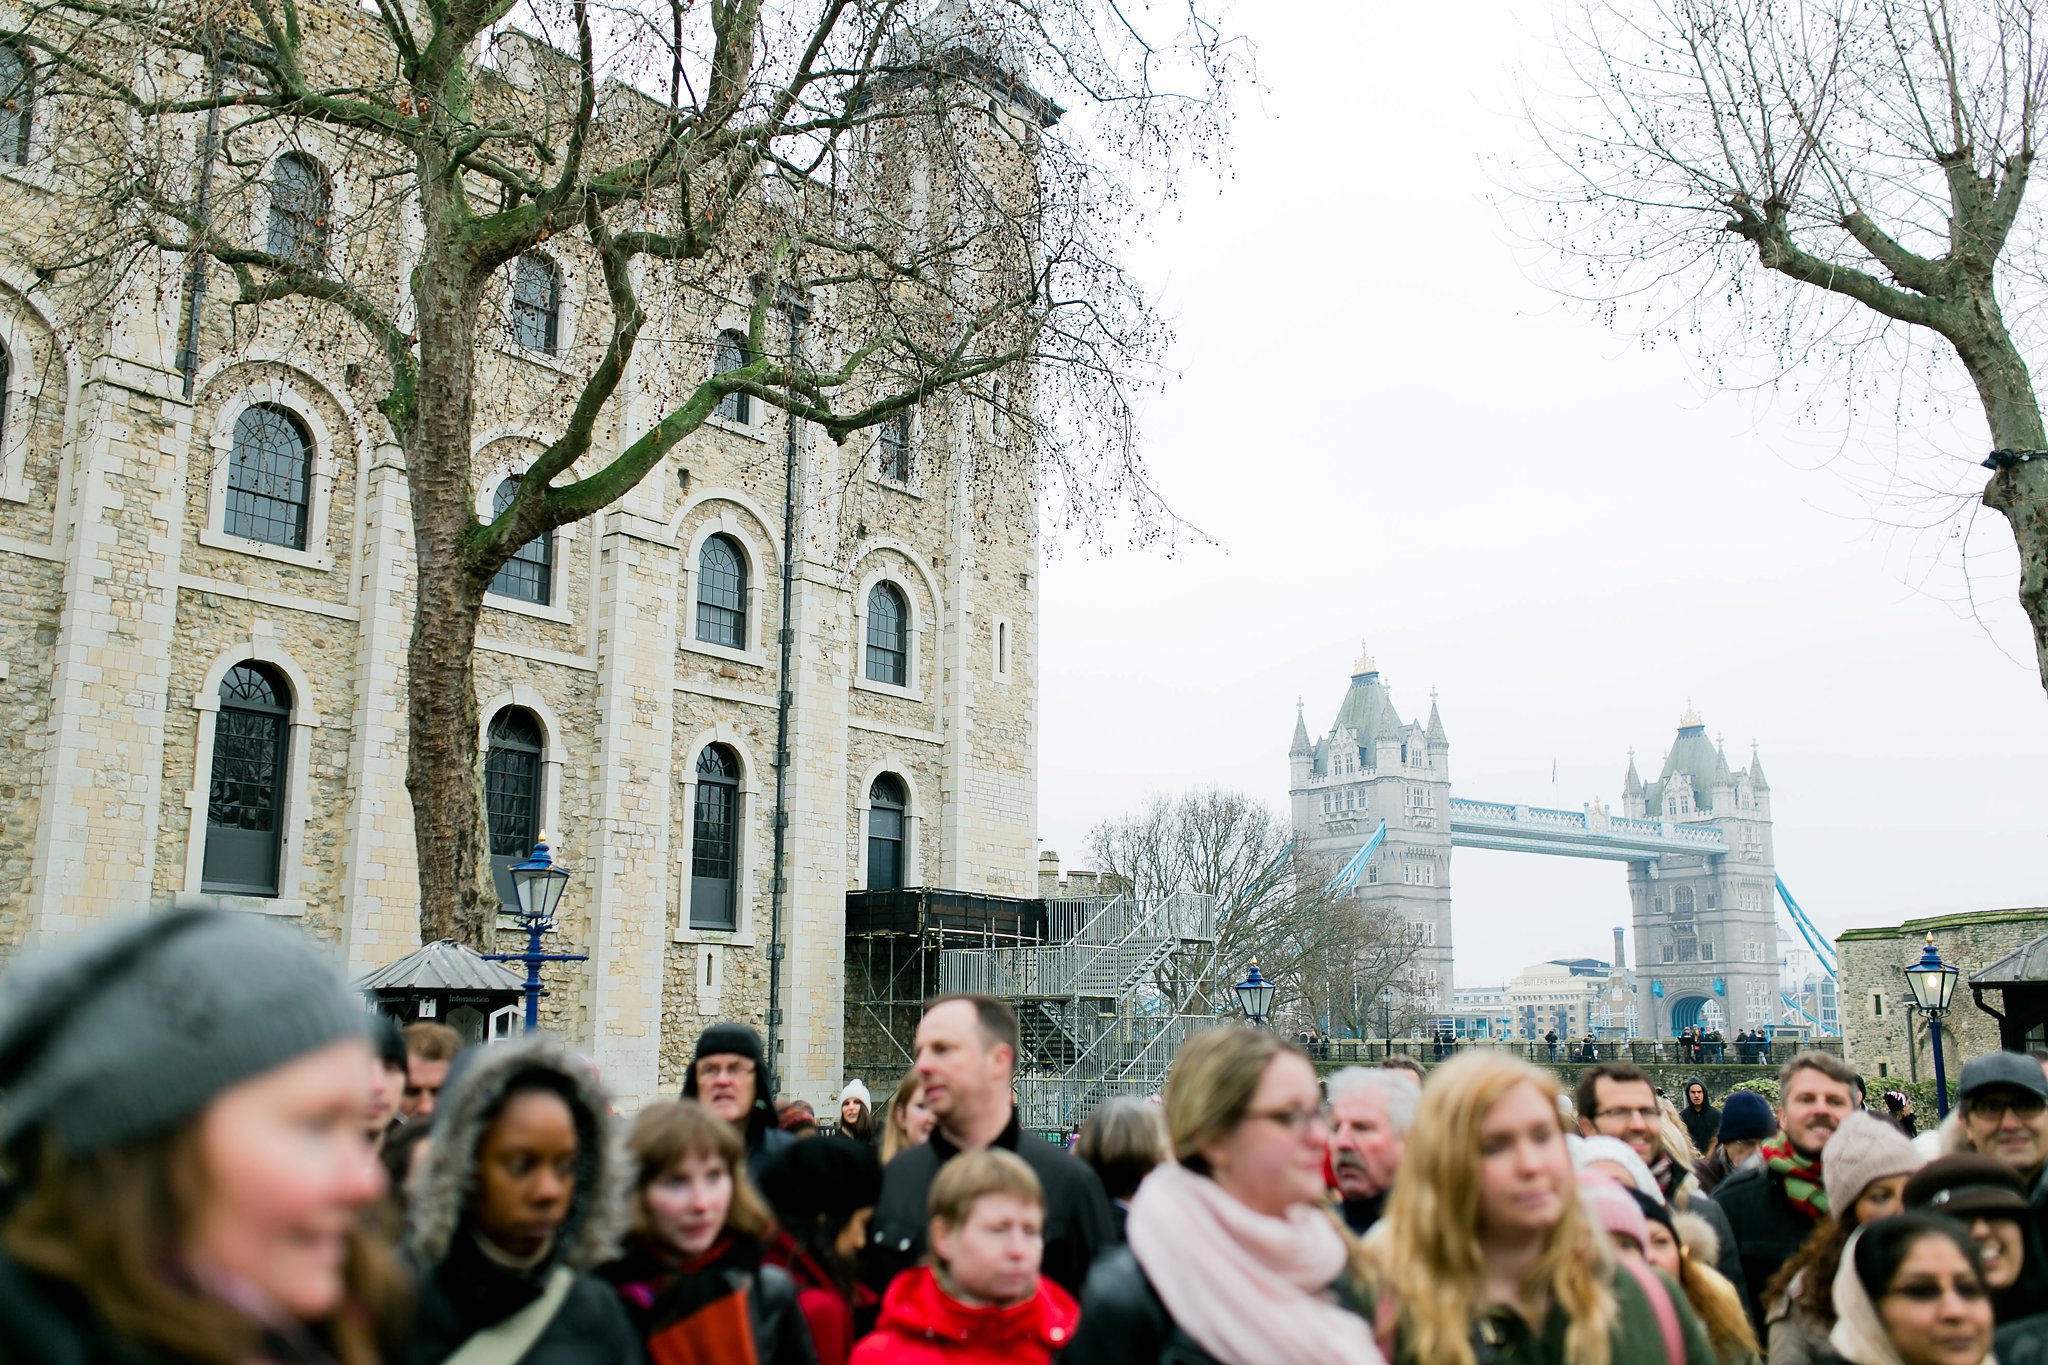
(857, 1112)
(1864, 1169)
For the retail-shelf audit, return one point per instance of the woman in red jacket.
(982, 1298)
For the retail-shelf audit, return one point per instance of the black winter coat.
(781, 1335)
(1124, 1322)
(468, 1292)
(1767, 1228)
(1079, 1224)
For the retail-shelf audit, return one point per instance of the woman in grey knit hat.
(181, 1118)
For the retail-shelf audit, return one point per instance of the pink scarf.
(1247, 1287)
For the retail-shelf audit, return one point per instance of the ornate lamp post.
(1933, 983)
(538, 883)
(1255, 996)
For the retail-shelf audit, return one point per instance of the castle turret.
(1434, 735)
(1632, 790)
(1301, 753)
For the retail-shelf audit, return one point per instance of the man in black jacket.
(967, 1059)
(1773, 1205)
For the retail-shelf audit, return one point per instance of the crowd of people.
(213, 1153)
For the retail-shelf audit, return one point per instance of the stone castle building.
(1705, 932)
(1372, 766)
(205, 613)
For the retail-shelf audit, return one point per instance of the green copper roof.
(1693, 754)
(1367, 711)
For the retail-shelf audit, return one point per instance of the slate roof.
(2028, 962)
(443, 965)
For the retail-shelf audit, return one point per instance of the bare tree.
(1327, 950)
(878, 185)
(1840, 171)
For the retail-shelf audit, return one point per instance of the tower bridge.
(1373, 795)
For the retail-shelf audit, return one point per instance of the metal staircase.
(1093, 1017)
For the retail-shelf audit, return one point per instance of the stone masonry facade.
(125, 604)
(1881, 1037)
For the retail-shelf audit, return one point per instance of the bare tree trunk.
(2020, 491)
(441, 754)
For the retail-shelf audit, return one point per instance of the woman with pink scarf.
(1233, 1256)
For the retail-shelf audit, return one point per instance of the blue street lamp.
(1255, 996)
(538, 883)
(1933, 983)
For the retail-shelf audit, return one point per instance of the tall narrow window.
(722, 593)
(245, 792)
(886, 806)
(888, 636)
(512, 782)
(529, 575)
(536, 303)
(17, 105)
(894, 448)
(299, 206)
(714, 840)
(270, 477)
(730, 353)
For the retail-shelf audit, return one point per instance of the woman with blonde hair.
(908, 1123)
(1488, 1247)
(1233, 1254)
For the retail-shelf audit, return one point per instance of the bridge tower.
(1705, 932)
(1372, 766)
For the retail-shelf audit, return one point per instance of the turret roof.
(1693, 754)
(1435, 733)
(1632, 785)
(1301, 744)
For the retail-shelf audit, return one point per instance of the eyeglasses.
(1930, 1291)
(2018, 1104)
(737, 1068)
(1629, 1115)
(1296, 1121)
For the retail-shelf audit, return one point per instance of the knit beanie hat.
(1656, 1211)
(857, 1090)
(130, 1030)
(1601, 1147)
(1746, 1117)
(1614, 1208)
(728, 1040)
(825, 1177)
(1864, 1149)
(792, 1114)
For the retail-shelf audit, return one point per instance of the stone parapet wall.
(1883, 1037)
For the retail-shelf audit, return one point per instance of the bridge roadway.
(1591, 833)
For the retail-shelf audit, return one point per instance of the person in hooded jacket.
(519, 1197)
(694, 1275)
(729, 1074)
(1702, 1120)
(981, 1299)
(822, 1193)
(183, 1125)
(1910, 1292)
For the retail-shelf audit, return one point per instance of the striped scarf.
(1799, 1175)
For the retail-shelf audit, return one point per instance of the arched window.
(714, 840)
(1682, 902)
(512, 782)
(270, 477)
(894, 448)
(17, 105)
(886, 806)
(888, 636)
(299, 205)
(536, 303)
(722, 593)
(728, 354)
(245, 792)
(529, 575)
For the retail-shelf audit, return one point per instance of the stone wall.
(1883, 1038)
(123, 601)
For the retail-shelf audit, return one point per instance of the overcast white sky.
(1566, 534)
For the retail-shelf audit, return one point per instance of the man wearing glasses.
(730, 1077)
(1617, 1099)
(2005, 1115)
